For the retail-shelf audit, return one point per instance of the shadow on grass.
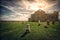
(24, 34)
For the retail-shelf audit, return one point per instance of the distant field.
(14, 30)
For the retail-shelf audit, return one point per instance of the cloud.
(14, 17)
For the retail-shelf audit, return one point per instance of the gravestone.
(39, 23)
(45, 25)
(28, 28)
(48, 22)
(53, 22)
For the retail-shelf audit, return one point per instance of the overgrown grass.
(14, 30)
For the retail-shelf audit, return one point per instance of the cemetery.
(40, 26)
(29, 31)
(30, 20)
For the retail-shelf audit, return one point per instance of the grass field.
(14, 30)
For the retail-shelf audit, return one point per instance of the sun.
(34, 7)
(43, 6)
(37, 6)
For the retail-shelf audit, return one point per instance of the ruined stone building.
(41, 15)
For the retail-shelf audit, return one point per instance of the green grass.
(14, 30)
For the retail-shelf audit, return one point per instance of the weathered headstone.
(39, 23)
(46, 25)
(48, 22)
(53, 22)
(28, 28)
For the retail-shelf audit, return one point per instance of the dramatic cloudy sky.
(22, 9)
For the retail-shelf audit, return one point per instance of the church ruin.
(41, 15)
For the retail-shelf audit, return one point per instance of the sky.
(21, 10)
